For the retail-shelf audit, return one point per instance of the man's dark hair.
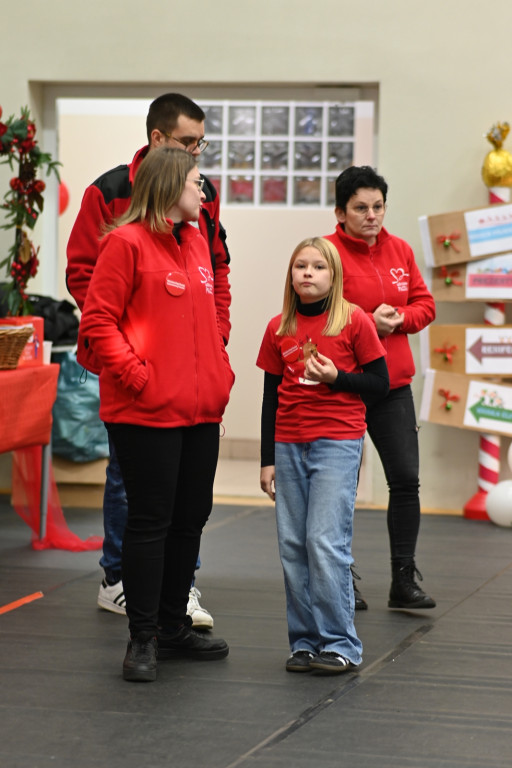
(355, 177)
(164, 112)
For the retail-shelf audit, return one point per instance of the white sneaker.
(111, 597)
(201, 619)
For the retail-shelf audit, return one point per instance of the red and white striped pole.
(499, 195)
(490, 445)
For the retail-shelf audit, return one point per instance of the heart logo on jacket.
(397, 275)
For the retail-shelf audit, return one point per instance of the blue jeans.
(115, 515)
(316, 487)
(393, 429)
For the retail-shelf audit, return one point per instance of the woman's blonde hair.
(339, 309)
(158, 186)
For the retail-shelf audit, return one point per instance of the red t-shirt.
(309, 410)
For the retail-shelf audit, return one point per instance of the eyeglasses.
(379, 209)
(190, 144)
(199, 183)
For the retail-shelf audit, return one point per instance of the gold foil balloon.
(497, 167)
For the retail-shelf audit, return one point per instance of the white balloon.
(499, 504)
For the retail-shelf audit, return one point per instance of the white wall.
(260, 240)
(443, 77)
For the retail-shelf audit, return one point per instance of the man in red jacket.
(173, 120)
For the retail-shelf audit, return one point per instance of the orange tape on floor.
(21, 601)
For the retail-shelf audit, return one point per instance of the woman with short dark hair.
(382, 277)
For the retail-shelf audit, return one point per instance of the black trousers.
(394, 432)
(168, 475)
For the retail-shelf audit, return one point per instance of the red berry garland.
(22, 203)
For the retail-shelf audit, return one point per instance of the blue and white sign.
(489, 230)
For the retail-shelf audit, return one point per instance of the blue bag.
(78, 434)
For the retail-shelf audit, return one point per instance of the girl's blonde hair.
(158, 186)
(339, 309)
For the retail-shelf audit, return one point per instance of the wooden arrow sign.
(483, 280)
(468, 349)
(467, 402)
(462, 236)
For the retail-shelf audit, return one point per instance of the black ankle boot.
(360, 602)
(405, 592)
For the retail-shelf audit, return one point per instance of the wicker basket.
(12, 343)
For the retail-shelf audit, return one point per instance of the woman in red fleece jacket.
(382, 277)
(150, 320)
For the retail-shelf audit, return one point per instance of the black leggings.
(394, 432)
(168, 475)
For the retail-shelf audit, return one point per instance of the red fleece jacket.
(386, 273)
(107, 198)
(150, 320)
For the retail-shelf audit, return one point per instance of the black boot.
(405, 592)
(360, 602)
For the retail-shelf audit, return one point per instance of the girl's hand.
(268, 481)
(387, 319)
(320, 369)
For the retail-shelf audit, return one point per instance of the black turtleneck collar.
(176, 230)
(312, 310)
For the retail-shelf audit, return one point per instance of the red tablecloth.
(27, 396)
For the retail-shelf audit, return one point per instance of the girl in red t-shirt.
(320, 356)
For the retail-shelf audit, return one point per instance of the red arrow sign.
(481, 349)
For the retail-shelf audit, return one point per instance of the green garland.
(22, 204)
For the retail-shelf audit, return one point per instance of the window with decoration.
(284, 153)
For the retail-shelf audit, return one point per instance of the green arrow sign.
(482, 411)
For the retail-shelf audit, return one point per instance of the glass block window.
(266, 153)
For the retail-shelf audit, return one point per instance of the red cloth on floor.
(26, 489)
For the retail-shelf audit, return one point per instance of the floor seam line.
(309, 714)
